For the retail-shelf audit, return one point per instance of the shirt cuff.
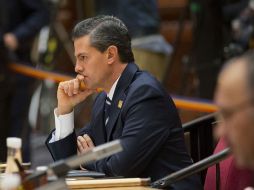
(64, 125)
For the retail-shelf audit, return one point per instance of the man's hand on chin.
(69, 94)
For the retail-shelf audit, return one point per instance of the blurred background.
(183, 43)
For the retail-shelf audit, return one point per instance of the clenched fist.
(70, 93)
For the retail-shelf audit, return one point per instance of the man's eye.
(83, 58)
(227, 114)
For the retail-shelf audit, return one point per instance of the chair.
(201, 143)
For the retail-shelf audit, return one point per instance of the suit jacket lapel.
(98, 129)
(119, 96)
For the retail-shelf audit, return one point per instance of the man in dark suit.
(133, 107)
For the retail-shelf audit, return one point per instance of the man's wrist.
(63, 110)
(64, 125)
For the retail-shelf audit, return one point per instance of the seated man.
(235, 99)
(133, 107)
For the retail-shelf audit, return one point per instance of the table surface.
(121, 188)
(106, 184)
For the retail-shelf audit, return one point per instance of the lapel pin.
(120, 104)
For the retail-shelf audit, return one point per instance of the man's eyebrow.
(78, 55)
(81, 54)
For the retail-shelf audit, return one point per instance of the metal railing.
(192, 169)
(181, 102)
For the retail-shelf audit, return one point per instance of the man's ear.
(112, 54)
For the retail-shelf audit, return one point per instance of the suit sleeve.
(67, 146)
(63, 148)
(148, 120)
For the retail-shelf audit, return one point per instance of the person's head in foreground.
(235, 98)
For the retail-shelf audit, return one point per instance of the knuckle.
(87, 138)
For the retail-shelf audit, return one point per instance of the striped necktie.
(107, 110)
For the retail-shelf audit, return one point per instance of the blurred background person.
(221, 30)
(151, 51)
(235, 99)
(20, 21)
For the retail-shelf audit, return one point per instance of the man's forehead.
(232, 87)
(81, 45)
(83, 40)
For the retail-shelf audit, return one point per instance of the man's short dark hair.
(105, 31)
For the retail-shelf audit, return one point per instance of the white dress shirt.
(65, 123)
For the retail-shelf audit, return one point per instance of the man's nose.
(78, 68)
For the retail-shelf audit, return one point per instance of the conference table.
(122, 188)
(119, 188)
(106, 184)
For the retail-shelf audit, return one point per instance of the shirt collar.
(112, 90)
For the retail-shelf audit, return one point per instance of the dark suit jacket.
(148, 126)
